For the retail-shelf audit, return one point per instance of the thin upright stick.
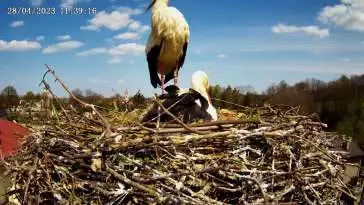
(178, 120)
(104, 120)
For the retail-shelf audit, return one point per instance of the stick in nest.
(104, 120)
(178, 120)
(47, 87)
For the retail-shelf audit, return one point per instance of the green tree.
(248, 99)
(138, 100)
(79, 94)
(9, 97)
(236, 96)
(215, 92)
(226, 95)
(93, 97)
(29, 97)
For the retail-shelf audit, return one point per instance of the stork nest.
(256, 155)
(268, 154)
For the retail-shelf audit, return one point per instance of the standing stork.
(167, 43)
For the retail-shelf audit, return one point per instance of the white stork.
(193, 104)
(167, 43)
(200, 83)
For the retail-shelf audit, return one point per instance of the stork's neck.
(161, 3)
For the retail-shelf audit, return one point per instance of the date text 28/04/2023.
(51, 11)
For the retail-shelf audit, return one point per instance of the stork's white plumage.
(167, 44)
(200, 83)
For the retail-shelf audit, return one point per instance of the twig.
(131, 183)
(46, 86)
(104, 120)
(25, 198)
(214, 123)
(170, 107)
(178, 120)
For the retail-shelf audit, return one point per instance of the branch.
(178, 120)
(214, 123)
(124, 179)
(104, 120)
(46, 86)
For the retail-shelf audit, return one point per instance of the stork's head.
(200, 83)
(155, 1)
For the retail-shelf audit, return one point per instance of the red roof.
(11, 135)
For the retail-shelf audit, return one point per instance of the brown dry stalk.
(104, 120)
(178, 120)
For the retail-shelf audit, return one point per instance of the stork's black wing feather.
(196, 112)
(181, 61)
(180, 105)
(203, 101)
(152, 58)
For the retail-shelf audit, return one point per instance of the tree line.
(10, 99)
(339, 103)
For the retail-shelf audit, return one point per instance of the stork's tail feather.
(154, 78)
(152, 65)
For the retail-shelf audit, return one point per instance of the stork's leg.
(162, 82)
(175, 75)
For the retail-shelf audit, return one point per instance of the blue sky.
(237, 42)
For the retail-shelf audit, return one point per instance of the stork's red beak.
(151, 5)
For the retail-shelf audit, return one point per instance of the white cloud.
(109, 40)
(127, 36)
(64, 38)
(64, 46)
(39, 38)
(97, 81)
(113, 21)
(71, 3)
(135, 25)
(115, 52)
(68, 3)
(345, 60)
(15, 45)
(316, 47)
(115, 60)
(15, 24)
(221, 56)
(121, 81)
(137, 31)
(130, 11)
(93, 51)
(127, 48)
(144, 28)
(36, 2)
(308, 30)
(349, 14)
